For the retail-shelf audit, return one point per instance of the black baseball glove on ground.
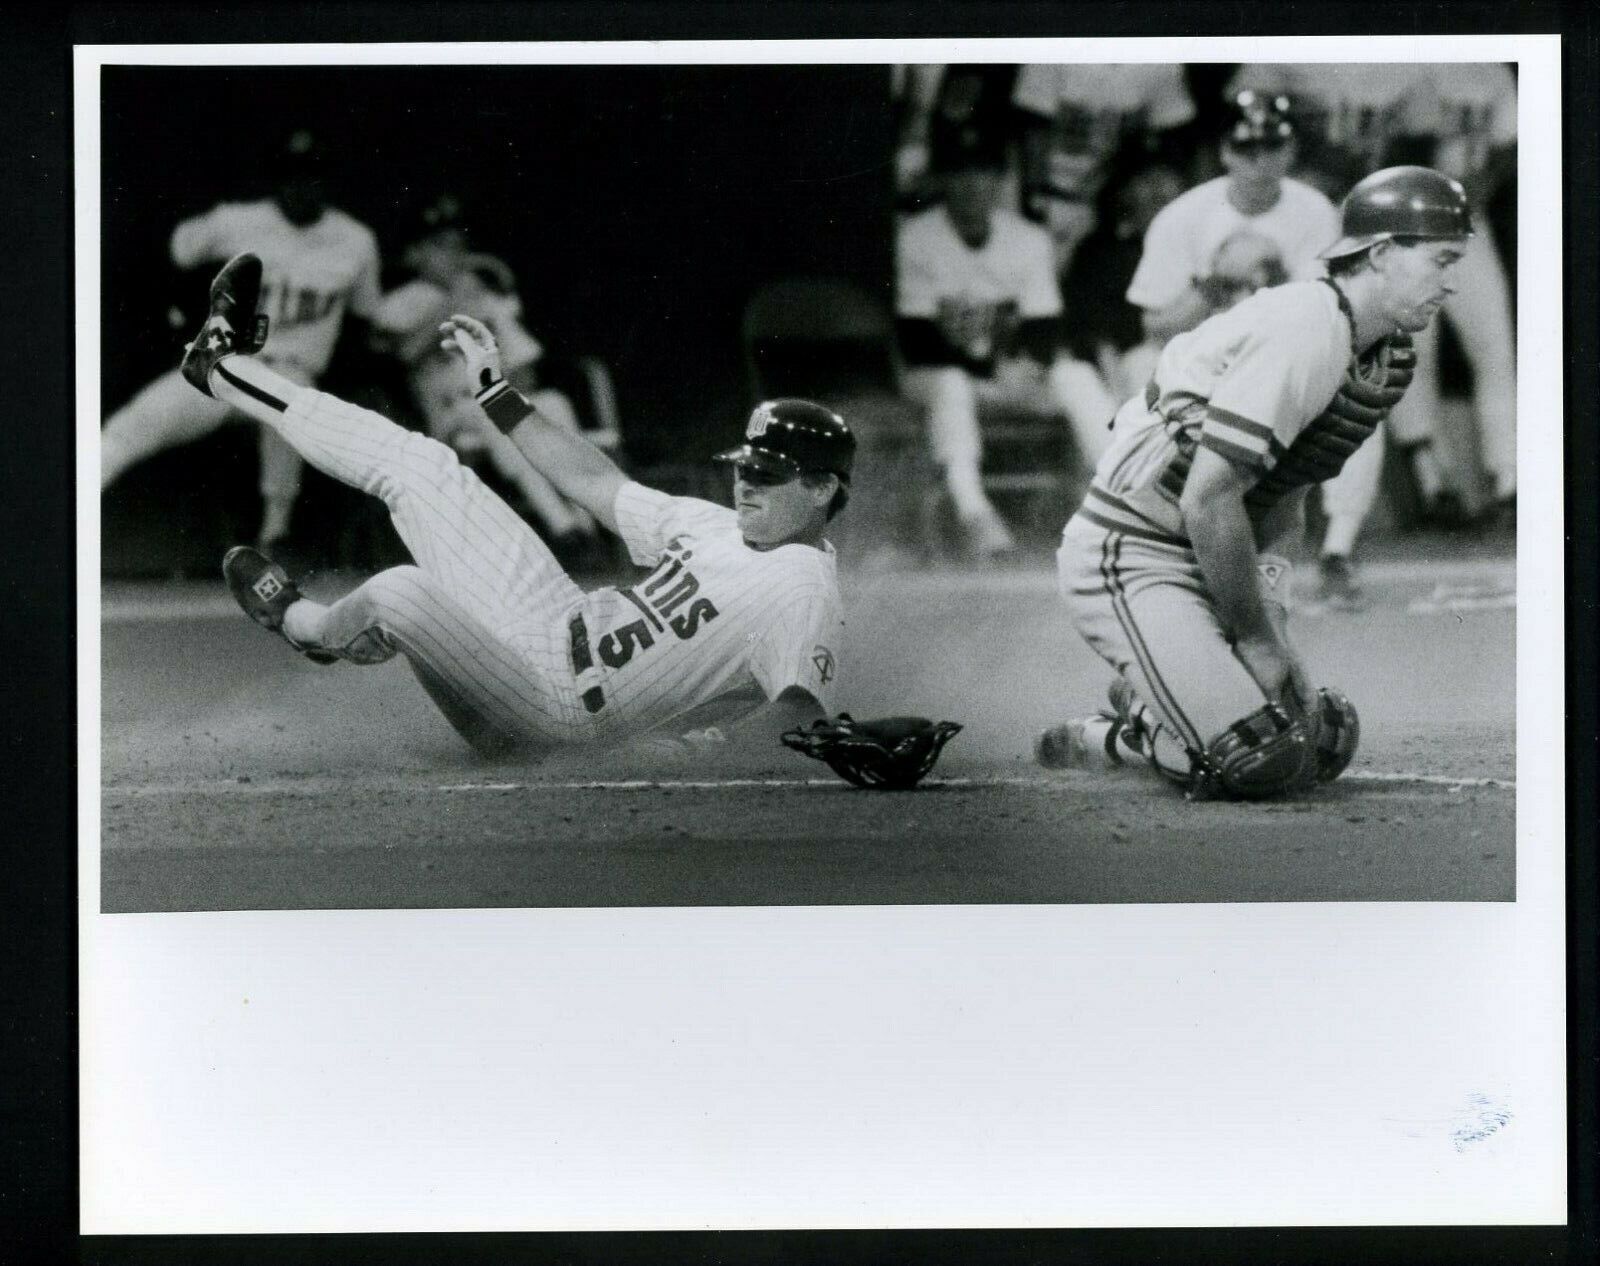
(892, 754)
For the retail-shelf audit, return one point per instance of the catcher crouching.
(1175, 567)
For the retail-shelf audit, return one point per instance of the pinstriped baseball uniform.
(505, 642)
(312, 276)
(1252, 385)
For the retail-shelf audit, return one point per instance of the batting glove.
(475, 343)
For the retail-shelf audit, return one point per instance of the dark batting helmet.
(791, 437)
(1256, 119)
(1401, 202)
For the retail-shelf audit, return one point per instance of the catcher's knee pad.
(1263, 754)
(1338, 731)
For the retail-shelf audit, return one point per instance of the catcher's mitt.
(893, 754)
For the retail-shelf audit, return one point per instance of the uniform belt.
(583, 662)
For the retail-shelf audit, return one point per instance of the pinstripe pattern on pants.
(482, 617)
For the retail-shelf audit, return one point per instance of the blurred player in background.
(321, 265)
(1467, 128)
(1174, 568)
(1225, 239)
(1082, 117)
(978, 315)
(1347, 114)
(451, 277)
(937, 105)
(739, 618)
(1103, 328)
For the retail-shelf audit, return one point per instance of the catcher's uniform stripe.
(1114, 524)
(1113, 513)
(1168, 702)
(1248, 427)
(1238, 454)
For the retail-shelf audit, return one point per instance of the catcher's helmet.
(793, 437)
(1401, 202)
(1258, 119)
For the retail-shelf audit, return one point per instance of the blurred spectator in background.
(1102, 327)
(938, 106)
(1466, 127)
(320, 266)
(1347, 115)
(1082, 116)
(1230, 236)
(450, 277)
(1356, 119)
(978, 316)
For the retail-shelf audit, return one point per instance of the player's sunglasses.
(757, 477)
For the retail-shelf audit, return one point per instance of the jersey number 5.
(617, 647)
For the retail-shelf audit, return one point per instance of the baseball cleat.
(1062, 747)
(1087, 743)
(233, 327)
(264, 591)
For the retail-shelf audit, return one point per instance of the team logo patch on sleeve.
(822, 659)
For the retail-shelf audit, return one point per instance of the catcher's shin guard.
(1338, 733)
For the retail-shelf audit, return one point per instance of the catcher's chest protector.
(1372, 386)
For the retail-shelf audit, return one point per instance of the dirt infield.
(238, 776)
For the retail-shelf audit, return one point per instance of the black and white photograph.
(927, 302)
(1070, 528)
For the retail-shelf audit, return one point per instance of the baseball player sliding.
(1173, 568)
(739, 619)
